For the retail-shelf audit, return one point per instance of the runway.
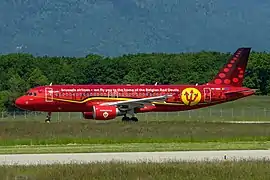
(67, 158)
(245, 122)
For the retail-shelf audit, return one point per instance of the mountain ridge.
(117, 27)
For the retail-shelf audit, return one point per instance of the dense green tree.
(19, 72)
(37, 78)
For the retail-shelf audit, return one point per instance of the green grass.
(247, 170)
(88, 132)
(133, 147)
(178, 127)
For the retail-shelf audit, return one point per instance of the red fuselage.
(82, 98)
(103, 102)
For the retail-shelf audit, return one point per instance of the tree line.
(20, 72)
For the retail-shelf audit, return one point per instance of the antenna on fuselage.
(156, 83)
(196, 84)
(50, 84)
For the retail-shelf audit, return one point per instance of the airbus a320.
(106, 102)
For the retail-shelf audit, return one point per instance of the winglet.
(233, 72)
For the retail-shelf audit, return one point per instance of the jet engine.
(102, 113)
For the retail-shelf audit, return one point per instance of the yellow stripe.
(88, 99)
(175, 104)
(113, 99)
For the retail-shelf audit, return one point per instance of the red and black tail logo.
(233, 72)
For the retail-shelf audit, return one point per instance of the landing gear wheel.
(125, 118)
(48, 119)
(134, 119)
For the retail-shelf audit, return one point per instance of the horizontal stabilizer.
(242, 91)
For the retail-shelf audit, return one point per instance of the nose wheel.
(48, 119)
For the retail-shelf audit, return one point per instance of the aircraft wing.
(137, 102)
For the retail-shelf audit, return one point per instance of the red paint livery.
(104, 102)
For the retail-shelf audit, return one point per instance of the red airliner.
(105, 102)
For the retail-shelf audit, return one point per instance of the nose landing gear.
(48, 119)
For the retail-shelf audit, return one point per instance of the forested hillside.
(19, 72)
(117, 27)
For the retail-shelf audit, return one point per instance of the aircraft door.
(48, 95)
(207, 94)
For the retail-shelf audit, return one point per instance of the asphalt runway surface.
(67, 158)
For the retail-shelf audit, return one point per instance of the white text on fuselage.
(122, 90)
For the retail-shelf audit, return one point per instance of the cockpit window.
(31, 94)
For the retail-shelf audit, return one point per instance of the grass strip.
(88, 132)
(248, 170)
(133, 147)
(64, 141)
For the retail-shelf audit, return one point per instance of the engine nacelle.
(105, 112)
(102, 113)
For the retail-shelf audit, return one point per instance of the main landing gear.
(48, 119)
(133, 118)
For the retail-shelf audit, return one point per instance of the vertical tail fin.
(233, 72)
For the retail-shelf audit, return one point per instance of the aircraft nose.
(20, 102)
